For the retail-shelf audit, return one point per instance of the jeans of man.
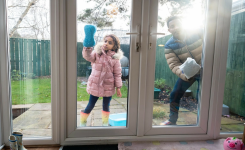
(93, 100)
(178, 91)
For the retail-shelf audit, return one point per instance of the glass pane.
(178, 62)
(29, 40)
(233, 112)
(106, 72)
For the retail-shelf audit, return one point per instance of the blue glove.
(89, 35)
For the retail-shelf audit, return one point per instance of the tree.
(31, 15)
(100, 17)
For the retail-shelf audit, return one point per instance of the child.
(105, 76)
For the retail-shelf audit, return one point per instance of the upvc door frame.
(70, 103)
(6, 80)
(5, 75)
(205, 85)
(219, 70)
(2, 46)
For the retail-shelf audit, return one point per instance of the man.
(179, 47)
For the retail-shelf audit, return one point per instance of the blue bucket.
(118, 119)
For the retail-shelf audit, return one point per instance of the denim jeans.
(93, 100)
(178, 91)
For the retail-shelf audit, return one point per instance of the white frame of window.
(2, 46)
(5, 76)
(5, 79)
(220, 17)
(219, 70)
(71, 102)
(205, 84)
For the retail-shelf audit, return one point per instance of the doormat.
(183, 145)
(92, 147)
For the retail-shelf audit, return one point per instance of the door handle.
(150, 37)
(137, 46)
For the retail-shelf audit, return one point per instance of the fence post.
(17, 54)
(25, 56)
(38, 59)
(30, 55)
(12, 40)
(21, 55)
(42, 57)
(47, 48)
(34, 42)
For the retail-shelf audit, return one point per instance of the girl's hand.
(119, 94)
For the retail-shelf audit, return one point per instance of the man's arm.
(174, 63)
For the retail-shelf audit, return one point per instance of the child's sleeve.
(117, 72)
(88, 54)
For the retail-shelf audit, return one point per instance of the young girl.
(105, 76)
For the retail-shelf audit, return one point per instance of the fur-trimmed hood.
(98, 50)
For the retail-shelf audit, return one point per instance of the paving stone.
(232, 127)
(33, 120)
(97, 114)
(187, 118)
(37, 133)
(82, 104)
(22, 106)
(227, 121)
(97, 122)
(36, 122)
(116, 107)
(114, 111)
(41, 106)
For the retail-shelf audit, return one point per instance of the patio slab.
(36, 122)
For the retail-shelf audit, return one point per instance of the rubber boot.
(19, 137)
(13, 143)
(105, 118)
(83, 120)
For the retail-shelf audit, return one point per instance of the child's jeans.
(178, 91)
(93, 100)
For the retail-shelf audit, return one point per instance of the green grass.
(31, 91)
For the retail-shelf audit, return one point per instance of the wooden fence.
(31, 56)
(234, 94)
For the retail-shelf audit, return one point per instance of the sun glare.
(193, 20)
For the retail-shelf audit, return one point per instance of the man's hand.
(119, 94)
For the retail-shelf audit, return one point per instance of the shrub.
(15, 75)
(160, 83)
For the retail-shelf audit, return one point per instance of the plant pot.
(156, 93)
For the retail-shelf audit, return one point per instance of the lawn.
(31, 91)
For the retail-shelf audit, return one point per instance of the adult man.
(178, 48)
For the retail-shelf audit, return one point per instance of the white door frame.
(205, 85)
(72, 131)
(219, 70)
(218, 18)
(5, 75)
(6, 81)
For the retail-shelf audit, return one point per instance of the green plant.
(15, 75)
(160, 83)
(158, 112)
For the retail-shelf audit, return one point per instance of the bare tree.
(28, 7)
(30, 18)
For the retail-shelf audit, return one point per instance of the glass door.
(179, 68)
(93, 76)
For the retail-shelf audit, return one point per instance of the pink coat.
(106, 71)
